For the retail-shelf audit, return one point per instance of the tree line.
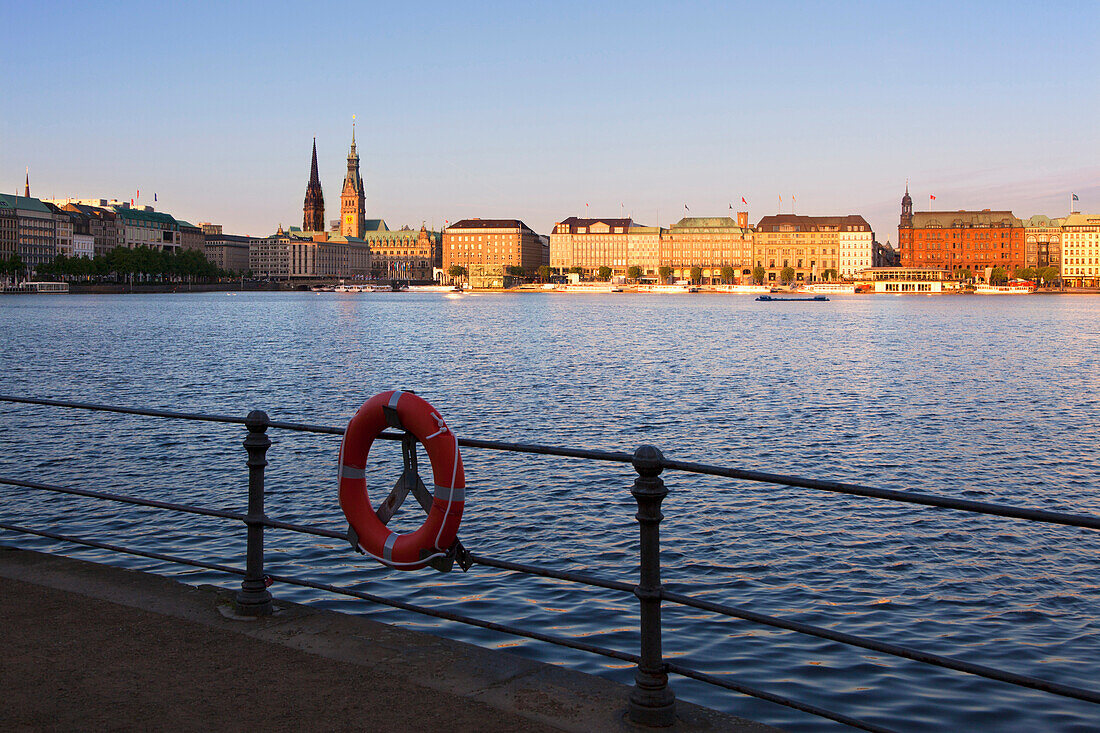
(122, 263)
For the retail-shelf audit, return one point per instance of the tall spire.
(27, 186)
(313, 210)
(353, 198)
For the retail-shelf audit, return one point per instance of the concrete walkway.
(92, 647)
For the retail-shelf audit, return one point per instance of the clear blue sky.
(533, 110)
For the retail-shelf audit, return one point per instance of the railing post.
(253, 599)
(652, 702)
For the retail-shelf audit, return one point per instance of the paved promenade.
(90, 647)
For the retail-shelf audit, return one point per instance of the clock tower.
(352, 199)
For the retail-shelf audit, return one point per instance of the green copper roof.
(23, 202)
(375, 225)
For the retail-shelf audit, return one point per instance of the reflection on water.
(985, 400)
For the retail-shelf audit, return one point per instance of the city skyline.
(478, 113)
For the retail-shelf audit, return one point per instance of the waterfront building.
(142, 226)
(228, 252)
(960, 240)
(191, 236)
(313, 210)
(9, 229)
(103, 224)
(83, 241)
(208, 228)
(591, 244)
(294, 254)
(1043, 242)
(809, 245)
(36, 230)
(505, 242)
(404, 254)
(594, 243)
(353, 209)
(63, 230)
(1081, 250)
(709, 243)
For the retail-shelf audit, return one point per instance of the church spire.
(27, 186)
(313, 210)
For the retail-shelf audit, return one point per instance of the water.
(983, 398)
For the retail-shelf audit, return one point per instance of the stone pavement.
(93, 647)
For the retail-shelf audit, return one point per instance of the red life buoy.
(433, 538)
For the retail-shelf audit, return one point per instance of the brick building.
(958, 241)
(500, 242)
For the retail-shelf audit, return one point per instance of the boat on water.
(588, 289)
(667, 289)
(434, 288)
(742, 288)
(1016, 287)
(37, 287)
(834, 288)
(773, 299)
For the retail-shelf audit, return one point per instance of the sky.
(540, 111)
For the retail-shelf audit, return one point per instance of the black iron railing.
(652, 702)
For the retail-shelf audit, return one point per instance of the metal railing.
(651, 702)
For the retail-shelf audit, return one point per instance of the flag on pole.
(746, 203)
(154, 197)
(1075, 197)
(931, 197)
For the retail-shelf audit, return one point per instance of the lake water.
(984, 398)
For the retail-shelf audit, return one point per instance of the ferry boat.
(1021, 287)
(667, 289)
(434, 288)
(37, 287)
(773, 299)
(743, 288)
(833, 288)
(588, 289)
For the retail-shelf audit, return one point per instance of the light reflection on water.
(961, 396)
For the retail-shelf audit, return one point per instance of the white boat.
(829, 288)
(667, 289)
(433, 288)
(742, 288)
(1018, 289)
(595, 288)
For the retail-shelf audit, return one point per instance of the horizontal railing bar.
(686, 600)
(772, 697)
(125, 410)
(895, 650)
(306, 529)
(447, 615)
(909, 497)
(557, 574)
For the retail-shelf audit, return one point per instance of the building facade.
(294, 254)
(228, 252)
(35, 233)
(1043, 242)
(504, 242)
(1081, 250)
(103, 224)
(143, 227)
(9, 229)
(709, 243)
(809, 245)
(63, 230)
(591, 244)
(404, 254)
(960, 241)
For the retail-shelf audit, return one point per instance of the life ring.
(438, 532)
